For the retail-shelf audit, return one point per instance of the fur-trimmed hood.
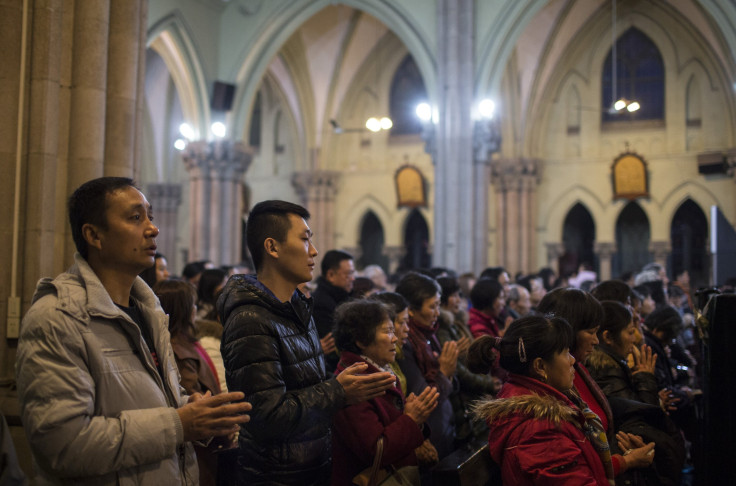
(600, 359)
(541, 407)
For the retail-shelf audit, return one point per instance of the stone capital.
(316, 185)
(604, 249)
(222, 159)
(167, 197)
(516, 173)
(660, 249)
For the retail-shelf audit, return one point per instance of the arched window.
(578, 236)
(689, 237)
(639, 77)
(371, 242)
(416, 241)
(632, 240)
(407, 91)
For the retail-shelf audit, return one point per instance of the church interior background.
(550, 176)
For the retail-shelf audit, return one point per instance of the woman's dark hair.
(149, 274)
(616, 318)
(666, 320)
(525, 340)
(208, 282)
(545, 274)
(617, 290)
(485, 292)
(656, 290)
(580, 309)
(643, 292)
(395, 303)
(448, 286)
(177, 299)
(416, 288)
(361, 286)
(357, 321)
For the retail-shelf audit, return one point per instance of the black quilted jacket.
(272, 354)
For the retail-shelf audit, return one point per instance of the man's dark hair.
(269, 219)
(492, 272)
(333, 259)
(485, 292)
(357, 321)
(88, 204)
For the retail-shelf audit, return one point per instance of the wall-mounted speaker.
(222, 96)
(712, 163)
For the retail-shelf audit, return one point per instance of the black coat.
(273, 355)
(326, 298)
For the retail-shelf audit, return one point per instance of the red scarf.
(424, 342)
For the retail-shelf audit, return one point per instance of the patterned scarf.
(596, 391)
(424, 341)
(593, 429)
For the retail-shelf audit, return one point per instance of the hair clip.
(549, 315)
(497, 343)
(522, 351)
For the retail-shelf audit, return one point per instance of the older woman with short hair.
(364, 332)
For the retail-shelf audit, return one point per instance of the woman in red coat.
(364, 332)
(540, 432)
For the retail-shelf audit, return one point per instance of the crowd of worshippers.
(279, 378)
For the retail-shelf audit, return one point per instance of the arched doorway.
(689, 237)
(416, 242)
(632, 240)
(371, 242)
(578, 236)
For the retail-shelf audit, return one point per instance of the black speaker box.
(222, 96)
(712, 163)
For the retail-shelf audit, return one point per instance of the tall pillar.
(165, 200)
(317, 191)
(516, 181)
(454, 237)
(216, 171)
(122, 87)
(68, 66)
(660, 250)
(604, 251)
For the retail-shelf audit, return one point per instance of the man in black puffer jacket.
(272, 353)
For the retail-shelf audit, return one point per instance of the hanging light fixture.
(619, 104)
(376, 124)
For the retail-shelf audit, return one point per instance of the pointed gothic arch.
(416, 242)
(689, 238)
(371, 242)
(633, 234)
(578, 238)
(640, 76)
